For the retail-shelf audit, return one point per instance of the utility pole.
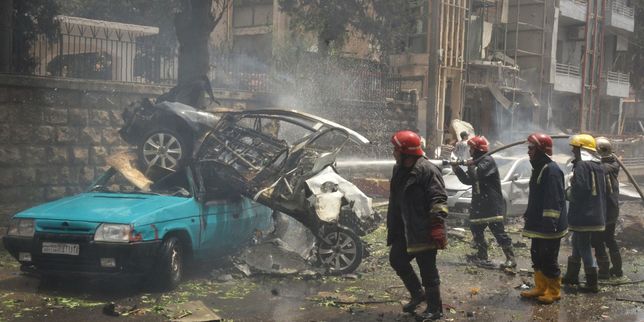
(434, 136)
(6, 35)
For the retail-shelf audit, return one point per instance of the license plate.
(59, 248)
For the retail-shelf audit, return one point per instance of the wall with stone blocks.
(56, 133)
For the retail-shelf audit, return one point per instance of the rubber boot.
(480, 258)
(591, 280)
(553, 290)
(616, 259)
(434, 310)
(604, 267)
(572, 271)
(539, 288)
(509, 257)
(412, 284)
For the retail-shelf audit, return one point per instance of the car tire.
(164, 147)
(342, 252)
(169, 267)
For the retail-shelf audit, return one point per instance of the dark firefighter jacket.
(546, 216)
(487, 198)
(611, 171)
(587, 209)
(417, 200)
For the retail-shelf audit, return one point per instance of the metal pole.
(433, 73)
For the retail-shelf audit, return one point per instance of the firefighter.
(586, 211)
(600, 240)
(415, 222)
(545, 219)
(487, 208)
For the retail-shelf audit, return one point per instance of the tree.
(386, 23)
(30, 19)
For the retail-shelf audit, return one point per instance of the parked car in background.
(130, 224)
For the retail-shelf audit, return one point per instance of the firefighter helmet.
(479, 143)
(604, 148)
(542, 142)
(584, 141)
(407, 142)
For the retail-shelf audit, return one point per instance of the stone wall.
(56, 133)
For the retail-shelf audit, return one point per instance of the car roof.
(317, 122)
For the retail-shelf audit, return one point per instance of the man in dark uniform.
(487, 208)
(586, 211)
(545, 219)
(415, 222)
(607, 237)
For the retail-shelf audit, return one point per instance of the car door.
(519, 183)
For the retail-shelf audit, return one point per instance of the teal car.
(118, 228)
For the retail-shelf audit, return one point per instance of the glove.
(437, 232)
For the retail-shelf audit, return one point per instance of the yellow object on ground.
(553, 291)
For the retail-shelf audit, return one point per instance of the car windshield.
(122, 177)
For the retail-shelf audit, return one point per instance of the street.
(374, 293)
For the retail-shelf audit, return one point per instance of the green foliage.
(385, 23)
(30, 18)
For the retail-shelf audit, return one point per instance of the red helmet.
(407, 142)
(479, 143)
(542, 141)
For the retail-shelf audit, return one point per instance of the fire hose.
(507, 146)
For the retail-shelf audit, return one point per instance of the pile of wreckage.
(282, 159)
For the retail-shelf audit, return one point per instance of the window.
(252, 13)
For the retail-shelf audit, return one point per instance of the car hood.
(452, 183)
(101, 207)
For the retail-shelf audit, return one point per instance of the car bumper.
(129, 259)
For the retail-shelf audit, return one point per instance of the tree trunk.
(193, 25)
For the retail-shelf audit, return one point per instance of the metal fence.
(82, 52)
(621, 8)
(568, 70)
(619, 78)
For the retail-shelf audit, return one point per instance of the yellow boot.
(539, 286)
(553, 291)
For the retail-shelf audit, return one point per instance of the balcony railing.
(621, 8)
(619, 78)
(567, 70)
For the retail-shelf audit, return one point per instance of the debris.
(244, 269)
(470, 314)
(225, 278)
(629, 300)
(193, 311)
(350, 276)
(474, 290)
(523, 286)
(520, 244)
(110, 309)
(275, 292)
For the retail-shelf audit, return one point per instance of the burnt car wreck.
(282, 159)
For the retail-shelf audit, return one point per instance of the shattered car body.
(132, 224)
(280, 158)
(284, 160)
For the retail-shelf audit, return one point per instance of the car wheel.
(169, 268)
(341, 250)
(165, 148)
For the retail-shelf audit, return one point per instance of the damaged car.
(283, 159)
(131, 223)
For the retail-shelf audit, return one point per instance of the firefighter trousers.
(544, 254)
(400, 261)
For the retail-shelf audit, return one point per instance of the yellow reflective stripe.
(420, 248)
(592, 174)
(551, 213)
(440, 207)
(586, 228)
(535, 234)
(609, 185)
(486, 220)
(541, 173)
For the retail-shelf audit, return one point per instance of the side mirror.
(514, 177)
